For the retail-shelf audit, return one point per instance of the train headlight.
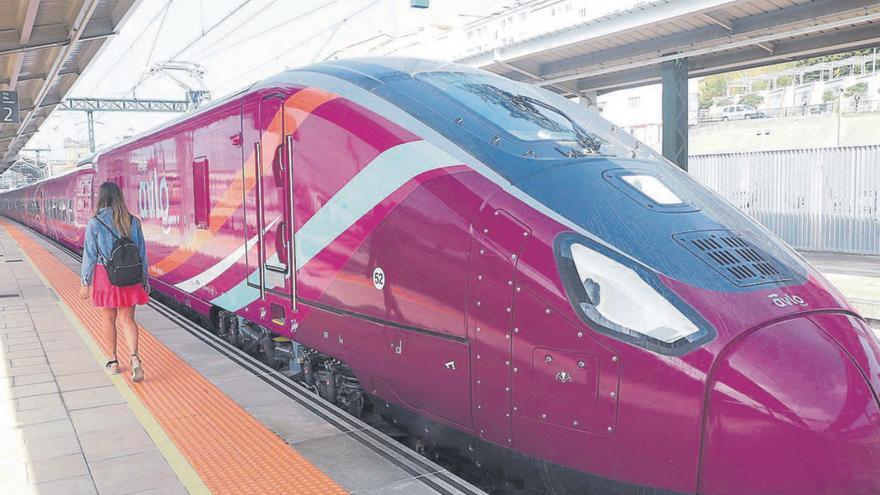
(619, 296)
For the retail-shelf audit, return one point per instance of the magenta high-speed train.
(504, 273)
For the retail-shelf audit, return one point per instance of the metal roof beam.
(646, 49)
(531, 74)
(628, 21)
(719, 33)
(811, 11)
(812, 29)
(766, 46)
(27, 15)
(620, 80)
(37, 77)
(7, 50)
(714, 20)
(834, 41)
(77, 30)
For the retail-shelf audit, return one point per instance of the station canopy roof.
(628, 48)
(44, 47)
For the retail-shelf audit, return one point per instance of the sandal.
(137, 373)
(112, 367)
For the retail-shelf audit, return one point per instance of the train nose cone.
(791, 412)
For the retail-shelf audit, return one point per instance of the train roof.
(78, 168)
(387, 64)
(378, 68)
(382, 68)
(181, 118)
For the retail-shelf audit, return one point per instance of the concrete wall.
(813, 131)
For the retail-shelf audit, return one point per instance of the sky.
(238, 42)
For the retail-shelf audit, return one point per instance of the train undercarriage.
(495, 469)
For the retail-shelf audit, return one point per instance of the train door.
(42, 209)
(83, 200)
(269, 203)
(499, 240)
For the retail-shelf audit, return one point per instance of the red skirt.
(107, 295)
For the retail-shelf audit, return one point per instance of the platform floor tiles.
(64, 427)
(199, 423)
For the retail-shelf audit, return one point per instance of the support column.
(675, 112)
(589, 99)
(90, 116)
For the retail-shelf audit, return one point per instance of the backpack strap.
(97, 244)
(106, 227)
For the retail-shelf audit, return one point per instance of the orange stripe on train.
(295, 110)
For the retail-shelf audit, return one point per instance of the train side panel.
(58, 207)
(156, 174)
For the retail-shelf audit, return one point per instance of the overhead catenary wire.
(213, 51)
(228, 15)
(127, 50)
(328, 40)
(147, 73)
(158, 32)
(334, 27)
(198, 55)
(155, 42)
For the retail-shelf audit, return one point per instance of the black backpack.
(124, 265)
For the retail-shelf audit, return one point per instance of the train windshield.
(527, 118)
(523, 111)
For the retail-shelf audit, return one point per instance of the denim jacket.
(99, 242)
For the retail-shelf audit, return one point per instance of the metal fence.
(865, 105)
(825, 199)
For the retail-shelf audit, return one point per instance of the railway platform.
(856, 276)
(207, 419)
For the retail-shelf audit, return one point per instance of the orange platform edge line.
(229, 449)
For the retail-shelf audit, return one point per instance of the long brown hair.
(110, 196)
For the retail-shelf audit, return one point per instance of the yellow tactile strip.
(230, 450)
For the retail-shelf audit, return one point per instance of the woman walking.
(114, 265)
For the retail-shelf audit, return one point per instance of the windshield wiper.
(584, 138)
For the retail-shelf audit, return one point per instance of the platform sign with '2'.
(9, 111)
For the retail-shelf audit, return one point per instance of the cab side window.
(201, 192)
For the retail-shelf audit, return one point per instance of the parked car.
(740, 112)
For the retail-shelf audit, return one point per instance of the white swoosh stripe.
(372, 185)
(387, 173)
(204, 278)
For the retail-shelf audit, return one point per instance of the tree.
(831, 58)
(752, 99)
(856, 92)
(828, 96)
(712, 87)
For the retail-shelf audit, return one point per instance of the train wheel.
(215, 320)
(232, 335)
(223, 324)
(267, 346)
(356, 407)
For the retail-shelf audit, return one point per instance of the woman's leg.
(108, 328)
(129, 327)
